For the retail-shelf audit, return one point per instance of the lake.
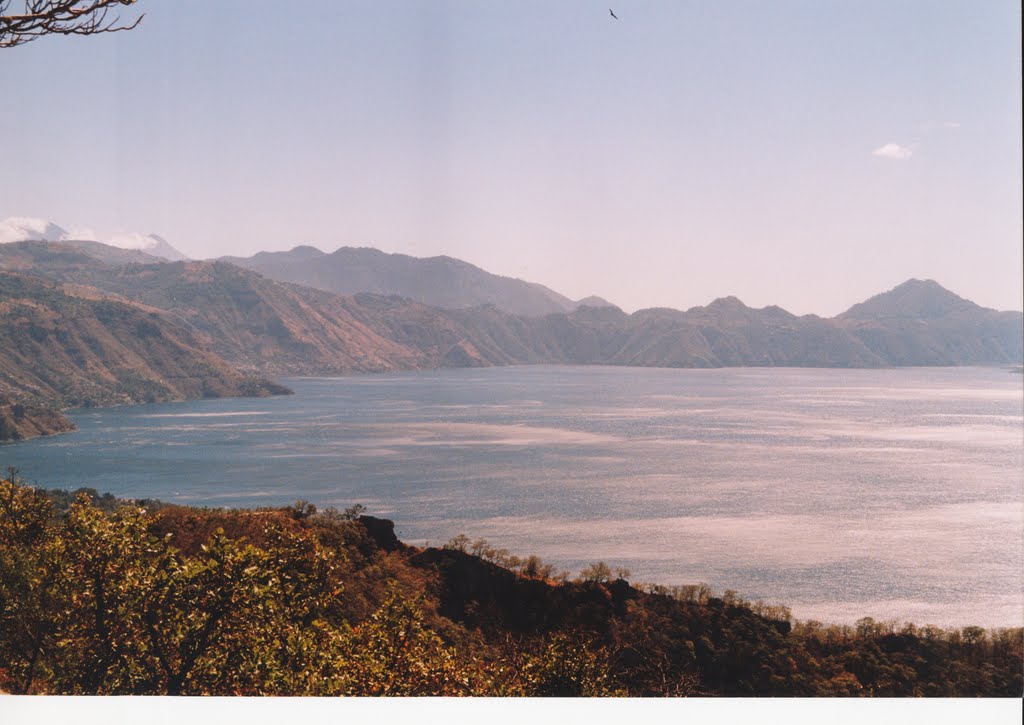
(896, 494)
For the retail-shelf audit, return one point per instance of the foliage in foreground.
(102, 598)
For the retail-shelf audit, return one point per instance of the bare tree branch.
(30, 19)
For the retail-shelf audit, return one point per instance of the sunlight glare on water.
(843, 493)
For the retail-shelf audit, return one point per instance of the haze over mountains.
(20, 229)
(86, 323)
(436, 281)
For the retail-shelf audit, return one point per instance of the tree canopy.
(106, 596)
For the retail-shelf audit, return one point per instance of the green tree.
(396, 654)
(568, 666)
(32, 586)
(109, 569)
(199, 610)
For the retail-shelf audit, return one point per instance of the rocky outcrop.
(382, 533)
(480, 594)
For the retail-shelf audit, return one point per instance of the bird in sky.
(612, 14)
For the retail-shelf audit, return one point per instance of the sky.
(801, 153)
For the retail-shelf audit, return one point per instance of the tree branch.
(60, 17)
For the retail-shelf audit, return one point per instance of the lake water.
(890, 493)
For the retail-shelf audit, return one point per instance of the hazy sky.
(801, 153)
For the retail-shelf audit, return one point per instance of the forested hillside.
(99, 596)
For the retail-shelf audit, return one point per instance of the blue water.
(890, 493)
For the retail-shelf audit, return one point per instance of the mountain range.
(89, 324)
(436, 281)
(25, 229)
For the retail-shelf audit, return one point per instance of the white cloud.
(893, 151)
(130, 240)
(23, 229)
(20, 229)
(951, 124)
(80, 234)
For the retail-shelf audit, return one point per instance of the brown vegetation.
(105, 597)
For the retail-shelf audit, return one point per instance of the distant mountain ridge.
(28, 229)
(915, 298)
(279, 328)
(443, 282)
(921, 323)
(260, 326)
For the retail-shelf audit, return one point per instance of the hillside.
(67, 257)
(250, 321)
(920, 323)
(143, 598)
(277, 328)
(725, 333)
(442, 282)
(64, 351)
